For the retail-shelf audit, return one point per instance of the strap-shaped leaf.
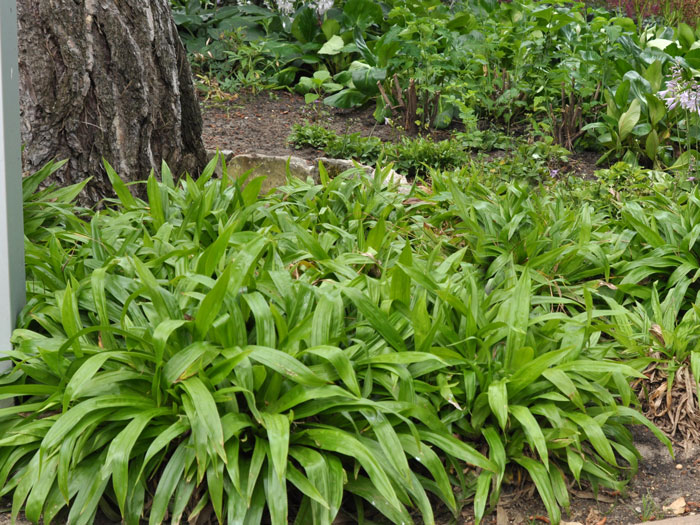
(544, 486)
(207, 414)
(450, 445)
(376, 318)
(285, 364)
(533, 432)
(341, 442)
(119, 452)
(498, 401)
(277, 427)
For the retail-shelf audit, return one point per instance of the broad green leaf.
(563, 382)
(389, 442)
(628, 120)
(533, 432)
(481, 495)
(210, 307)
(430, 460)
(70, 317)
(168, 482)
(276, 495)
(40, 489)
(285, 364)
(332, 46)
(654, 74)
(119, 452)
(207, 415)
(120, 188)
(81, 376)
(335, 440)
(67, 421)
(304, 485)
(340, 362)
(450, 445)
(155, 201)
(376, 318)
(595, 435)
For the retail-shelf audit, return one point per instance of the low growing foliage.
(335, 345)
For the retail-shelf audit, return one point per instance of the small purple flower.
(553, 173)
(679, 91)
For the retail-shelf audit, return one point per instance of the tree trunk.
(106, 79)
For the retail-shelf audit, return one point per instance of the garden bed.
(261, 123)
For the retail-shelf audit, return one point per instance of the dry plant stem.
(435, 107)
(397, 90)
(411, 108)
(424, 115)
(409, 104)
(385, 97)
(671, 404)
(567, 129)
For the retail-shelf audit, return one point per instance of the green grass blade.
(277, 427)
(498, 401)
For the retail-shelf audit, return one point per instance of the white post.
(12, 285)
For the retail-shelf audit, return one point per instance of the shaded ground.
(659, 482)
(261, 124)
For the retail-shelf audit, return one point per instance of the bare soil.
(659, 482)
(261, 123)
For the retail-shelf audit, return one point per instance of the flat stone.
(677, 507)
(335, 167)
(274, 168)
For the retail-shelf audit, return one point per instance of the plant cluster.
(585, 76)
(417, 157)
(670, 11)
(212, 352)
(410, 156)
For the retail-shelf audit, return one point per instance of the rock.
(679, 467)
(275, 169)
(677, 507)
(272, 167)
(335, 167)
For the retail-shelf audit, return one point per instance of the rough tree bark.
(106, 78)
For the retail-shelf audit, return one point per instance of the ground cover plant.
(210, 353)
(214, 354)
(582, 76)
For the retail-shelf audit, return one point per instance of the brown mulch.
(674, 409)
